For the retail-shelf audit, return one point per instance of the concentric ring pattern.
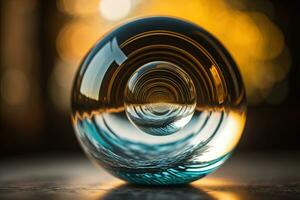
(160, 98)
(158, 101)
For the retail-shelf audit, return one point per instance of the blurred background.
(43, 42)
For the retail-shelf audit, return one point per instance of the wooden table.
(256, 175)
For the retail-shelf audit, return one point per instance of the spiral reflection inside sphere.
(160, 98)
(158, 101)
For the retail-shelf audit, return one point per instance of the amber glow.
(231, 130)
(254, 41)
(78, 7)
(114, 9)
(212, 182)
(218, 82)
(207, 186)
(211, 185)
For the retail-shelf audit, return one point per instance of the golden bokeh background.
(255, 42)
(43, 42)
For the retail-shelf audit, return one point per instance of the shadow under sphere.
(135, 192)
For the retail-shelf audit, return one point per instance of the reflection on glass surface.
(253, 39)
(93, 76)
(158, 101)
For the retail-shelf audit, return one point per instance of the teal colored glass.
(158, 101)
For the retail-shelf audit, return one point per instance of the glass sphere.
(160, 98)
(158, 101)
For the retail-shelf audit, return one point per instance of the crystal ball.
(158, 101)
(160, 98)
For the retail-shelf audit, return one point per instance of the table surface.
(273, 175)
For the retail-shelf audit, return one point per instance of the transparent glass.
(158, 101)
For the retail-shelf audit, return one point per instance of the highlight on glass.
(158, 101)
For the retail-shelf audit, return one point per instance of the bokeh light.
(78, 7)
(75, 39)
(114, 9)
(60, 84)
(255, 42)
